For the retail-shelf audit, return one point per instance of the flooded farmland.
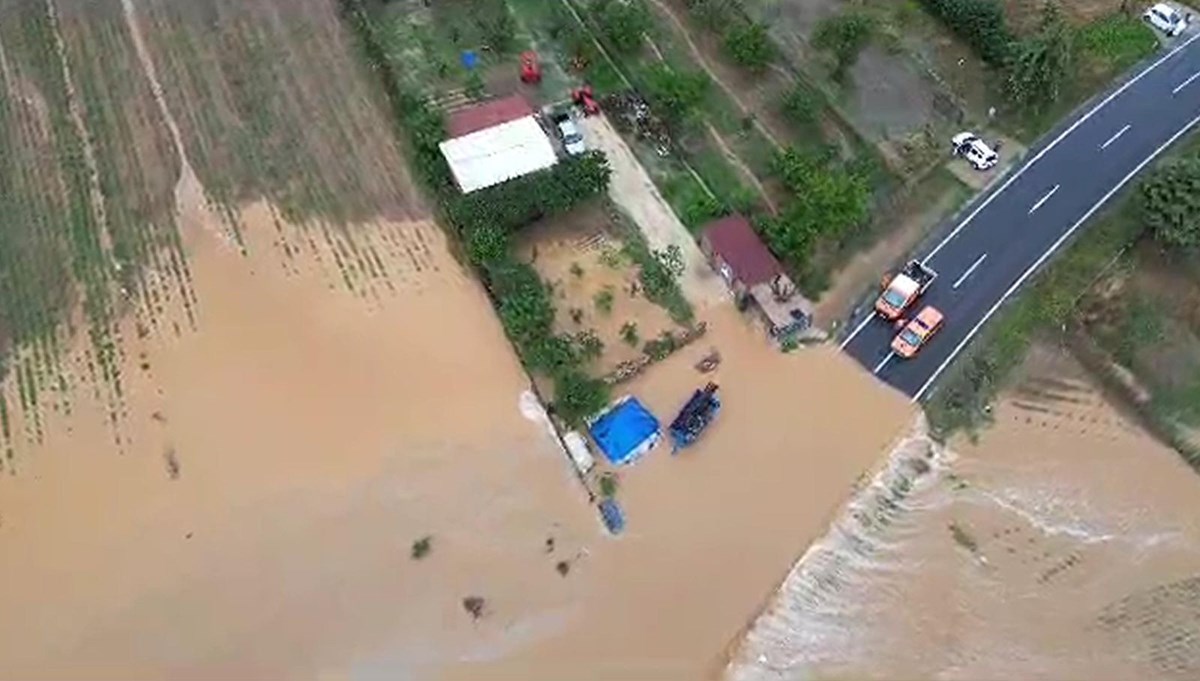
(1064, 545)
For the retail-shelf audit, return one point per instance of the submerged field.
(258, 100)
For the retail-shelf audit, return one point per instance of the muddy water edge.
(1064, 544)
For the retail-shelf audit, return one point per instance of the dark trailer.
(695, 416)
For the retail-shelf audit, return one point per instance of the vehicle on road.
(1165, 18)
(902, 289)
(917, 332)
(976, 152)
(572, 139)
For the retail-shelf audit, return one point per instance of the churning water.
(1064, 545)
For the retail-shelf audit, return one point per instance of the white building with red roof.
(494, 142)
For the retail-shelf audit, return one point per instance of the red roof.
(734, 240)
(475, 118)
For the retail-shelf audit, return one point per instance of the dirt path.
(635, 192)
(737, 162)
(189, 194)
(702, 61)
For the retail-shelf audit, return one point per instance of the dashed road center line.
(970, 269)
(1115, 137)
(1043, 199)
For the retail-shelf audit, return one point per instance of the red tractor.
(586, 100)
(531, 70)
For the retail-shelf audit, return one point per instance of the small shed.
(494, 142)
(753, 273)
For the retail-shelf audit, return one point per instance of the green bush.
(624, 23)
(1169, 202)
(826, 200)
(712, 14)
(802, 104)
(518, 202)
(700, 209)
(749, 45)
(844, 36)
(979, 22)
(578, 396)
(1040, 64)
(674, 95)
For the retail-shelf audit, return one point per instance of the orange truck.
(901, 290)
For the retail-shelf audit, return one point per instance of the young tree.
(1169, 200)
(802, 103)
(675, 94)
(749, 45)
(826, 201)
(844, 36)
(624, 23)
(1040, 64)
(578, 396)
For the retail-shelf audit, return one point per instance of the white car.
(571, 137)
(1165, 18)
(975, 150)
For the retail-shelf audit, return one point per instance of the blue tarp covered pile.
(626, 431)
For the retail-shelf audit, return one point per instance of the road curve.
(1012, 229)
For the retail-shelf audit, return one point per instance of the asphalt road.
(1012, 229)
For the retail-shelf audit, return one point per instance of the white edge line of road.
(1053, 143)
(1104, 102)
(1053, 247)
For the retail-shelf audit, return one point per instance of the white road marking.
(1043, 199)
(1114, 138)
(883, 362)
(1053, 247)
(1104, 102)
(862, 325)
(969, 271)
(1185, 83)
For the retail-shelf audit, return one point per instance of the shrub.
(578, 396)
(712, 14)
(1169, 201)
(700, 209)
(749, 45)
(979, 22)
(843, 36)
(589, 344)
(826, 200)
(624, 23)
(604, 300)
(608, 485)
(629, 334)
(674, 94)
(518, 202)
(1039, 65)
(802, 103)
(421, 547)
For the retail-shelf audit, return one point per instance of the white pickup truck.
(971, 147)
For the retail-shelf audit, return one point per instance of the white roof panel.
(493, 155)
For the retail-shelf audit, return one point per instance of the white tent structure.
(498, 153)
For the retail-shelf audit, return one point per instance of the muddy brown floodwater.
(1064, 545)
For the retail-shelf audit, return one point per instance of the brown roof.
(475, 118)
(734, 240)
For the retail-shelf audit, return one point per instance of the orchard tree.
(675, 94)
(844, 36)
(1169, 199)
(749, 45)
(624, 23)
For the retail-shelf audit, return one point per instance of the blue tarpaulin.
(625, 431)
